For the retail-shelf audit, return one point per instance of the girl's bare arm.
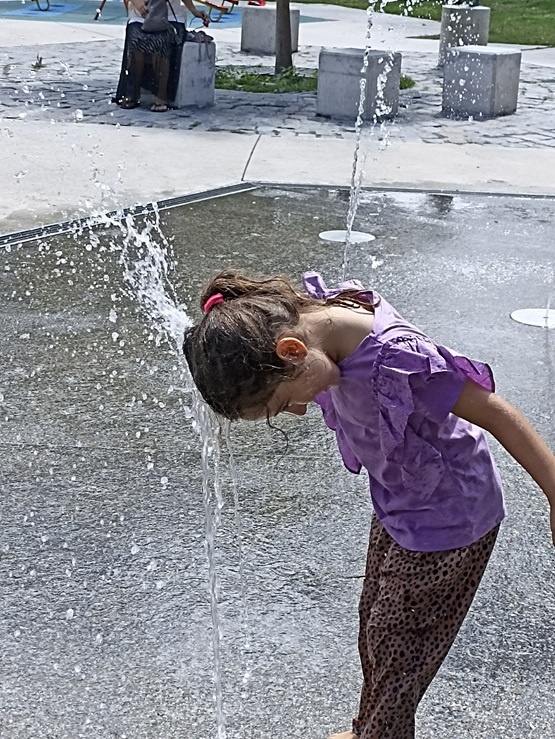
(189, 4)
(140, 6)
(513, 430)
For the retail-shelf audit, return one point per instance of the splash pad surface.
(106, 626)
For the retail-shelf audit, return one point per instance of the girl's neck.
(337, 330)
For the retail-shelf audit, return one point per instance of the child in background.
(408, 410)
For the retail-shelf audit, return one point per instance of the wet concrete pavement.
(105, 625)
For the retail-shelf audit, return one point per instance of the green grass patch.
(233, 78)
(360, 4)
(512, 21)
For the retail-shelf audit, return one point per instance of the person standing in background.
(152, 60)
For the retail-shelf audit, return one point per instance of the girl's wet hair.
(231, 352)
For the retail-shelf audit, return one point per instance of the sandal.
(128, 104)
(159, 107)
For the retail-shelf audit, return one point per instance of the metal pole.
(99, 10)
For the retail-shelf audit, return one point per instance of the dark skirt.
(165, 44)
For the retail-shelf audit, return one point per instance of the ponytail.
(231, 351)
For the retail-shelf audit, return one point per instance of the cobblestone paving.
(78, 81)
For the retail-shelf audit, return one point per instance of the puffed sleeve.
(411, 374)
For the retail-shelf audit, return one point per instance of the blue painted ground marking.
(113, 12)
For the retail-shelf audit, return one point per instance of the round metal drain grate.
(542, 317)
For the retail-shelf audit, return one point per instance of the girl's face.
(315, 372)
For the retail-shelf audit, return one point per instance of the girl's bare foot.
(344, 735)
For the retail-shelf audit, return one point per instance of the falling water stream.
(208, 427)
(349, 237)
(147, 261)
(543, 317)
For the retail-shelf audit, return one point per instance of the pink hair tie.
(212, 301)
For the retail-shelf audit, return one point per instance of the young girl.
(410, 412)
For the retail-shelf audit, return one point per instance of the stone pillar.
(258, 30)
(339, 74)
(197, 75)
(480, 82)
(462, 25)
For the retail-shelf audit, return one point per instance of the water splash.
(147, 260)
(359, 160)
(209, 430)
(381, 111)
(226, 428)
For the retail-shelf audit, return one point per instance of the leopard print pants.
(411, 609)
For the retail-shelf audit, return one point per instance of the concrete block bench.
(462, 25)
(339, 74)
(258, 30)
(197, 76)
(481, 82)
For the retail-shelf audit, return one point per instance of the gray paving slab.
(78, 82)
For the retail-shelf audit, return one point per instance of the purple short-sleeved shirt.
(433, 482)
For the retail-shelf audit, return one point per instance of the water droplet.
(134, 549)
(78, 115)
(70, 613)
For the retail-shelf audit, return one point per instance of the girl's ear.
(291, 349)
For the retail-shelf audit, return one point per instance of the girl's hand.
(204, 16)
